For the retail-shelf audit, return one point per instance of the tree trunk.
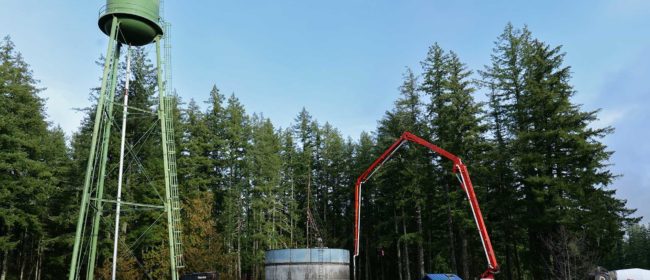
(381, 265)
(452, 237)
(420, 241)
(308, 210)
(325, 200)
(274, 232)
(508, 262)
(23, 257)
(399, 250)
(239, 256)
(429, 256)
(5, 258)
(291, 203)
(33, 259)
(39, 262)
(406, 247)
(517, 262)
(22, 267)
(367, 266)
(465, 255)
(253, 265)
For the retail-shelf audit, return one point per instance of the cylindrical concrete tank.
(307, 264)
(139, 20)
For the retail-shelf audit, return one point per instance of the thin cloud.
(610, 117)
(624, 98)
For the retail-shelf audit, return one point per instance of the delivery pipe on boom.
(465, 183)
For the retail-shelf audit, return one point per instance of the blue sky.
(343, 60)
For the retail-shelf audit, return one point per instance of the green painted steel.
(76, 261)
(139, 20)
(134, 204)
(172, 204)
(99, 205)
(173, 184)
(133, 23)
(171, 150)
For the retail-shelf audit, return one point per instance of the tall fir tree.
(305, 139)
(288, 185)
(267, 218)
(458, 128)
(411, 169)
(559, 163)
(503, 79)
(195, 165)
(237, 135)
(33, 162)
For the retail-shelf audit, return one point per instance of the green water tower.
(139, 20)
(128, 23)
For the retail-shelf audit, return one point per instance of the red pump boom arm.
(466, 185)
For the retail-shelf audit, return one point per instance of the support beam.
(134, 204)
(81, 221)
(106, 136)
(168, 198)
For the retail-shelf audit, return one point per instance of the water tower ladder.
(173, 181)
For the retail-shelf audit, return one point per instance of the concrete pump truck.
(465, 183)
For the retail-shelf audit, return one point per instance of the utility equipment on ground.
(201, 276)
(465, 183)
(130, 23)
(601, 273)
(441, 277)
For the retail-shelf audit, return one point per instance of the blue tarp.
(441, 277)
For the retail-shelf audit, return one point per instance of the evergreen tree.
(236, 168)
(560, 165)
(458, 129)
(196, 167)
(410, 170)
(28, 174)
(61, 205)
(305, 138)
(143, 176)
(636, 248)
(267, 218)
(335, 184)
(216, 142)
(504, 80)
(203, 245)
(434, 77)
(288, 186)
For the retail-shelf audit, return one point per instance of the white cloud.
(610, 117)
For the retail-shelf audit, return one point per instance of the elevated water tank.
(307, 264)
(139, 20)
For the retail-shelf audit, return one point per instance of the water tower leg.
(168, 198)
(85, 197)
(99, 205)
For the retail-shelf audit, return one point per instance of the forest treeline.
(540, 169)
